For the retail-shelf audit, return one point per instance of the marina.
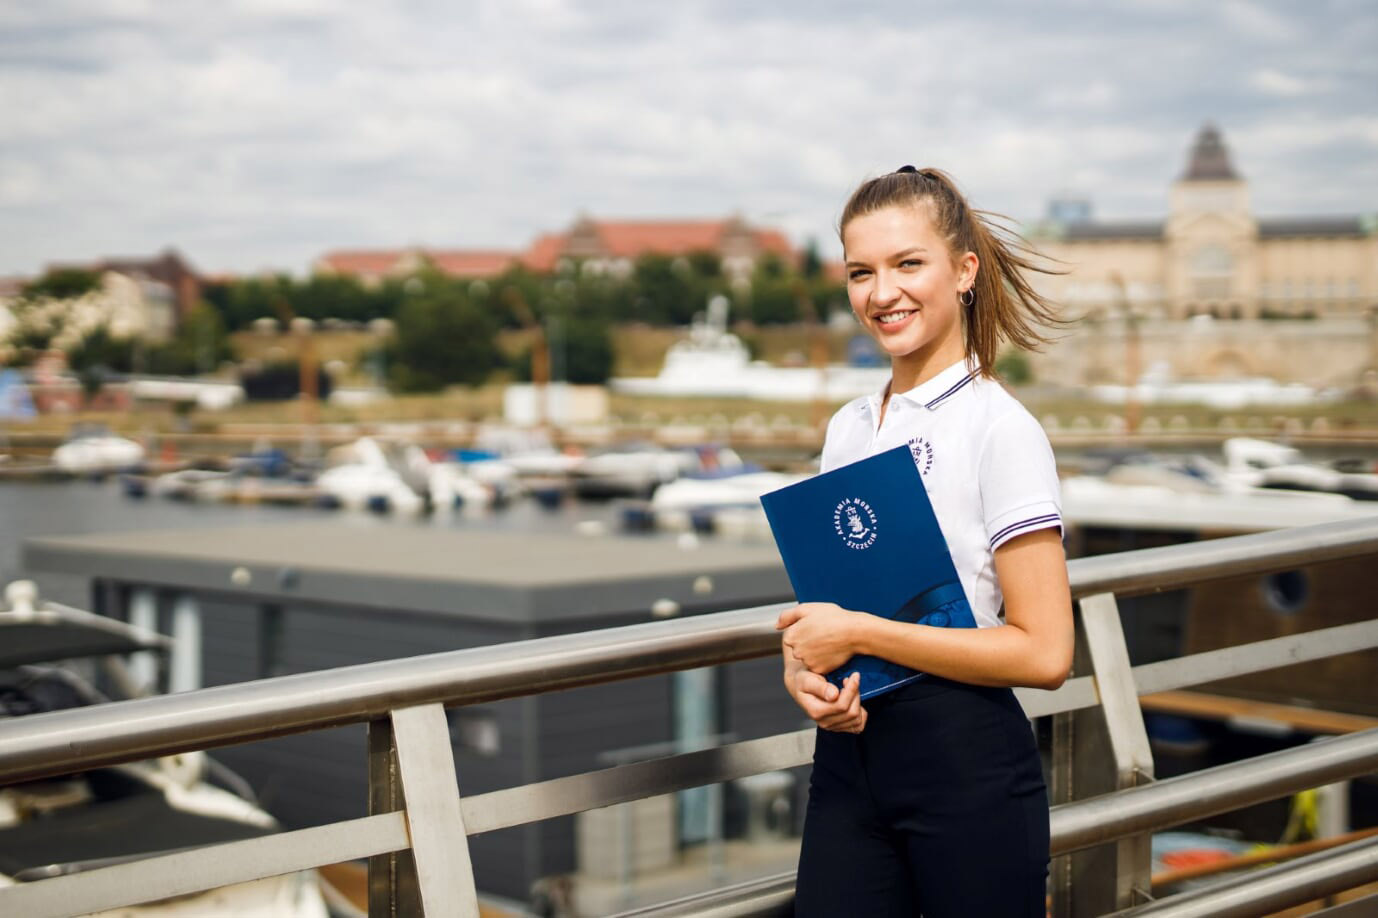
(255, 591)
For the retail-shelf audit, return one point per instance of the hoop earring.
(967, 297)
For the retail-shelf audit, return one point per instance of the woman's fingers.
(846, 714)
(815, 685)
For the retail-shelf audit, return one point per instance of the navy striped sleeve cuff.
(1039, 516)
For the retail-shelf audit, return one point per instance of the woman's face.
(904, 284)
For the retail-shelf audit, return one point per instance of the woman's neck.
(913, 370)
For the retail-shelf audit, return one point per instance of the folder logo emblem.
(855, 522)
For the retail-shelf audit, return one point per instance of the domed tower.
(1211, 237)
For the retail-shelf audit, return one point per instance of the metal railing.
(416, 848)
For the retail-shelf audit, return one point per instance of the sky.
(256, 135)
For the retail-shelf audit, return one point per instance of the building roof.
(376, 263)
(633, 238)
(611, 238)
(1276, 227)
(1120, 229)
(463, 574)
(470, 262)
(545, 252)
(1209, 160)
(630, 238)
(368, 263)
(774, 241)
(166, 266)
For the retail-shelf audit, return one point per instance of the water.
(32, 509)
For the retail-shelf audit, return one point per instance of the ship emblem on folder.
(855, 521)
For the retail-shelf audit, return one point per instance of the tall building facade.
(1211, 255)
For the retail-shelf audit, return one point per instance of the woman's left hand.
(818, 634)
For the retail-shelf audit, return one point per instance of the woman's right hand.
(839, 711)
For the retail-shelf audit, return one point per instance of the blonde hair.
(1005, 307)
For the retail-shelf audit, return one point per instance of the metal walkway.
(417, 835)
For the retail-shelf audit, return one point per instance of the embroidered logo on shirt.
(855, 522)
(922, 451)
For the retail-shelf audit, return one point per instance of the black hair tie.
(905, 169)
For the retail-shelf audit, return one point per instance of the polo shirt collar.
(932, 392)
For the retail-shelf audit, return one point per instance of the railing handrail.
(65, 741)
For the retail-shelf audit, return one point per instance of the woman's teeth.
(892, 317)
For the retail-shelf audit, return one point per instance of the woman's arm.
(1033, 647)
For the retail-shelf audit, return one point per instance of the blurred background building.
(1212, 255)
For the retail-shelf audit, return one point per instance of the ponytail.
(1003, 306)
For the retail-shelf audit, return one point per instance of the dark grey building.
(251, 603)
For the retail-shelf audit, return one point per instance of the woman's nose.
(885, 291)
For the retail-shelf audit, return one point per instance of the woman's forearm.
(1003, 655)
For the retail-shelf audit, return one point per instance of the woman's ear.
(968, 265)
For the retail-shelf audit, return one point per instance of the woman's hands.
(817, 640)
(818, 634)
(823, 703)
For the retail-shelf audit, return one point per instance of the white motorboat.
(67, 825)
(1263, 464)
(630, 472)
(1148, 491)
(714, 362)
(377, 474)
(707, 503)
(94, 450)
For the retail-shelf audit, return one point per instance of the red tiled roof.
(626, 239)
(774, 241)
(469, 262)
(544, 252)
(375, 263)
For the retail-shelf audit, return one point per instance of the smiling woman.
(929, 798)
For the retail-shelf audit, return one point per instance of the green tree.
(585, 352)
(1014, 368)
(100, 352)
(199, 346)
(63, 284)
(442, 339)
(812, 266)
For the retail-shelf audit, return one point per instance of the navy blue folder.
(864, 536)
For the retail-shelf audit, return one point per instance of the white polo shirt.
(986, 464)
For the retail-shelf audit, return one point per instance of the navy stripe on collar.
(937, 401)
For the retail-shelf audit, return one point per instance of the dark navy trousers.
(937, 808)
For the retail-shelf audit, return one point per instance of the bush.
(442, 340)
(281, 381)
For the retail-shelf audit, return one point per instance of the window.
(474, 730)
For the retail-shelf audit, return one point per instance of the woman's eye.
(910, 263)
(858, 274)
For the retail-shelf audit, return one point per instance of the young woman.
(930, 799)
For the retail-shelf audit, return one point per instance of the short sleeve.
(1018, 477)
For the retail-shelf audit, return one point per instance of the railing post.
(439, 844)
(1115, 876)
(392, 891)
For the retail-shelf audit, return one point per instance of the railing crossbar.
(196, 870)
(513, 806)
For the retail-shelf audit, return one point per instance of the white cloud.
(256, 133)
(1276, 83)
